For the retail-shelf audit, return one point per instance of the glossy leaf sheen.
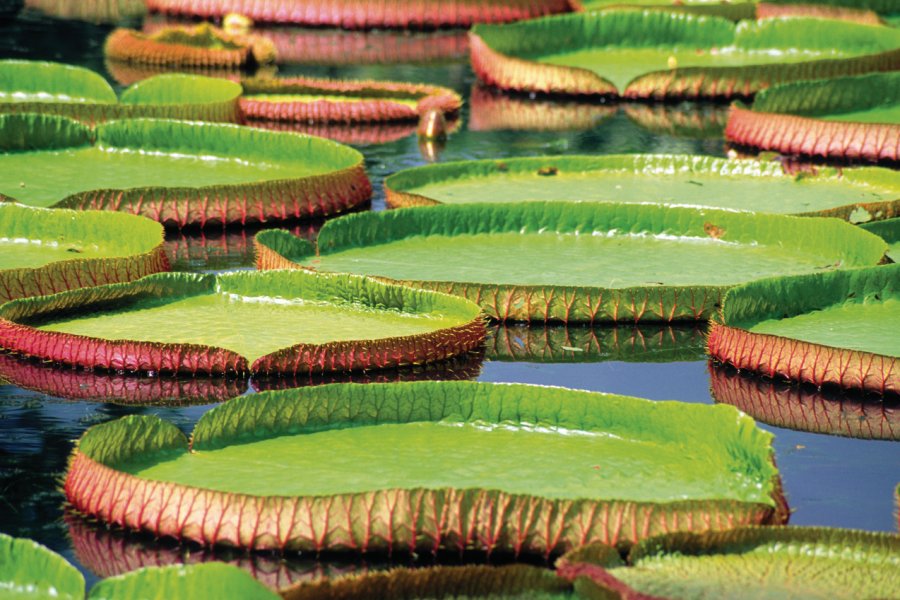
(30, 571)
(209, 580)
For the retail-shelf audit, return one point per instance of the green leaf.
(659, 54)
(842, 99)
(622, 261)
(759, 562)
(680, 180)
(29, 570)
(208, 580)
(282, 322)
(889, 231)
(45, 87)
(371, 453)
(47, 251)
(177, 172)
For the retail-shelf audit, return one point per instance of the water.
(829, 480)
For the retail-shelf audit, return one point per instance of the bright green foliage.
(761, 563)
(664, 246)
(666, 179)
(889, 231)
(29, 571)
(152, 154)
(24, 80)
(207, 580)
(856, 308)
(840, 99)
(327, 432)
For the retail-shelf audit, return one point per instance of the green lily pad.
(507, 582)
(889, 231)
(95, 11)
(835, 328)
(835, 118)
(45, 87)
(208, 580)
(48, 251)
(659, 54)
(517, 342)
(176, 172)
(287, 322)
(533, 470)
(672, 180)
(753, 562)
(29, 570)
(310, 100)
(575, 262)
(804, 408)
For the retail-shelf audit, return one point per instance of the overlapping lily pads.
(838, 328)
(176, 172)
(738, 11)
(843, 118)
(48, 251)
(752, 562)
(353, 14)
(658, 54)
(803, 408)
(30, 570)
(518, 480)
(575, 262)
(311, 100)
(677, 180)
(45, 87)
(288, 322)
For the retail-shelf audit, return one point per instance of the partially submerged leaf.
(29, 570)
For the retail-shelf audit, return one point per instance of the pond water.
(828, 480)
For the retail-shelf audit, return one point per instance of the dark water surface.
(829, 480)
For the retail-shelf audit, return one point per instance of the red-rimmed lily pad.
(575, 262)
(48, 251)
(533, 470)
(45, 87)
(835, 118)
(202, 46)
(288, 322)
(366, 14)
(673, 180)
(177, 172)
(516, 342)
(312, 100)
(804, 408)
(838, 328)
(752, 562)
(657, 54)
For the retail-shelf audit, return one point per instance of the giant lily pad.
(309, 100)
(665, 179)
(352, 14)
(835, 118)
(44, 87)
(803, 408)
(560, 261)
(656, 54)
(48, 251)
(752, 562)
(177, 172)
(533, 470)
(518, 342)
(278, 322)
(889, 231)
(836, 328)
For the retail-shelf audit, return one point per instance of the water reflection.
(803, 408)
(572, 343)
